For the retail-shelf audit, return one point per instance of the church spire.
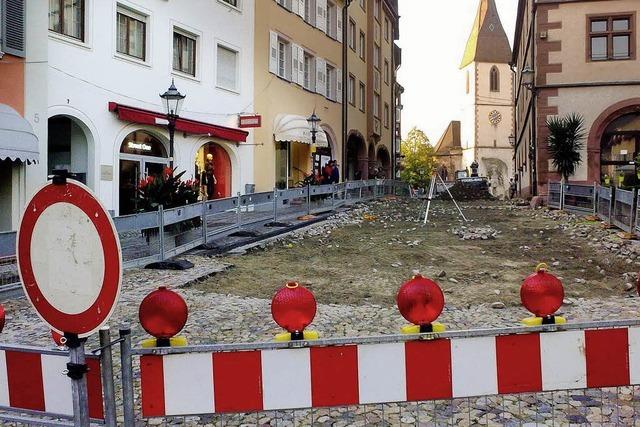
(488, 42)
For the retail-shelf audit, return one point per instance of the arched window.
(495, 79)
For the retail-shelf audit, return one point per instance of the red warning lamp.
(293, 308)
(542, 294)
(420, 301)
(163, 313)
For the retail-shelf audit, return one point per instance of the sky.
(433, 35)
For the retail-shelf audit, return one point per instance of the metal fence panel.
(7, 243)
(139, 237)
(292, 203)
(221, 216)
(623, 209)
(579, 198)
(555, 195)
(605, 203)
(256, 207)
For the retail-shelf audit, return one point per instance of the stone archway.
(383, 163)
(371, 156)
(357, 160)
(215, 155)
(597, 132)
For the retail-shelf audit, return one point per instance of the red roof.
(146, 117)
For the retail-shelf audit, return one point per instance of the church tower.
(487, 120)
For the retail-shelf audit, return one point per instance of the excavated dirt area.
(364, 255)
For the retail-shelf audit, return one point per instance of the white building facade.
(108, 61)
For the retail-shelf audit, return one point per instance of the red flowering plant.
(166, 189)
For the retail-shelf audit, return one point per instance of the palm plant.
(566, 141)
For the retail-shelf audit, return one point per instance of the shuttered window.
(227, 68)
(12, 27)
(66, 17)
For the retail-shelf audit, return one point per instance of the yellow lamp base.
(537, 321)
(415, 329)
(173, 342)
(308, 336)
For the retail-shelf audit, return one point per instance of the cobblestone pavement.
(228, 318)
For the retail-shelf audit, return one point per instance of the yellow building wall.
(274, 95)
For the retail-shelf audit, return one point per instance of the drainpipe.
(345, 83)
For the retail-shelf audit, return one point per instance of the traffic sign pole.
(76, 370)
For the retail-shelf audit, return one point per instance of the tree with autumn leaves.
(418, 164)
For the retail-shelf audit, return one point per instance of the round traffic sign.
(69, 258)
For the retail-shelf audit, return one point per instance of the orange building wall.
(12, 82)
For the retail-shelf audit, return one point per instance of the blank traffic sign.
(69, 258)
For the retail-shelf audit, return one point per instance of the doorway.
(213, 161)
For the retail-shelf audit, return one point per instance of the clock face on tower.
(495, 117)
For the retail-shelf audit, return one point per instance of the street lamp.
(314, 122)
(172, 100)
(528, 76)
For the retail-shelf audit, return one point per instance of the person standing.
(513, 188)
(335, 173)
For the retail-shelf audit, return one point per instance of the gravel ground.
(378, 246)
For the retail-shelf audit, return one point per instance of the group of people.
(330, 174)
(207, 179)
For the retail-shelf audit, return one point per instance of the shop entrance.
(213, 169)
(141, 155)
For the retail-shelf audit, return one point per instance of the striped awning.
(17, 140)
(294, 128)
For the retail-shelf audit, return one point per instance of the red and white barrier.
(36, 382)
(260, 380)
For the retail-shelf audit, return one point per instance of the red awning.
(146, 117)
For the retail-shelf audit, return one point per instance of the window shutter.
(321, 76)
(301, 65)
(301, 7)
(273, 55)
(295, 64)
(339, 85)
(295, 6)
(13, 27)
(321, 15)
(339, 24)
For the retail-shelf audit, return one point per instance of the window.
(386, 71)
(234, 3)
(352, 90)
(363, 97)
(376, 56)
(332, 20)
(332, 80)
(352, 34)
(376, 105)
(283, 47)
(227, 68)
(386, 115)
(376, 10)
(184, 53)
(285, 3)
(362, 46)
(310, 12)
(309, 72)
(386, 28)
(132, 34)
(494, 79)
(611, 37)
(363, 5)
(67, 17)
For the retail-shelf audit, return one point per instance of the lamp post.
(529, 82)
(314, 123)
(172, 100)
(528, 78)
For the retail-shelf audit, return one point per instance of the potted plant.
(566, 141)
(169, 191)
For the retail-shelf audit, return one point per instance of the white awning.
(17, 140)
(293, 128)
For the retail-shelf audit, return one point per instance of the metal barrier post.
(204, 222)
(238, 211)
(634, 212)
(612, 202)
(161, 231)
(106, 367)
(78, 381)
(275, 204)
(360, 192)
(127, 376)
(595, 199)
(308, 199)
